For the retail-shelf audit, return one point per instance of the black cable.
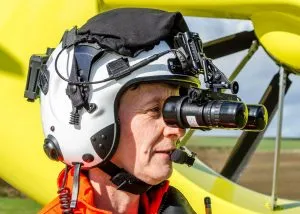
(76, 83)
(64, 194)
(129, 70)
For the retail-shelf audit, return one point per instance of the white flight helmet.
(95, 138)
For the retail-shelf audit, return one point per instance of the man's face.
(145, 139)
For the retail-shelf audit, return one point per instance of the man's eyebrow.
(155, 99)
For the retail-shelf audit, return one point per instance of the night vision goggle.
(194, 108)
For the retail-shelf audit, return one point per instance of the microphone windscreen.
(178, 156)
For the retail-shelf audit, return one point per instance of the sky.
(254, 77)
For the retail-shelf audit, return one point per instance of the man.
(102, 94)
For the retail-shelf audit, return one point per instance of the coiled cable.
(64, 195)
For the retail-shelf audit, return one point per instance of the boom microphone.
(181, 157)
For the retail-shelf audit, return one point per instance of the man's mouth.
(168, 151)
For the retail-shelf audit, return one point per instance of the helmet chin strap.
(124, 180)
(129, 183)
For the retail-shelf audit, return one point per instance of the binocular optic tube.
(220, 114)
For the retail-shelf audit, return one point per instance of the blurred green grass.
(266, 144)
(18, 206)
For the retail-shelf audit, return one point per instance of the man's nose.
(173, 131)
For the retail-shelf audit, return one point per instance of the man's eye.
(155, 112)
(155, 109)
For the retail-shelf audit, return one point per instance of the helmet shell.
(96, 138)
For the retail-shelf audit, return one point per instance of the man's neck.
(107, 197)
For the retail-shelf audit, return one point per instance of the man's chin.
(160, 175)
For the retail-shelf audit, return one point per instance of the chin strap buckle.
(124, 180)
(129, 183)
